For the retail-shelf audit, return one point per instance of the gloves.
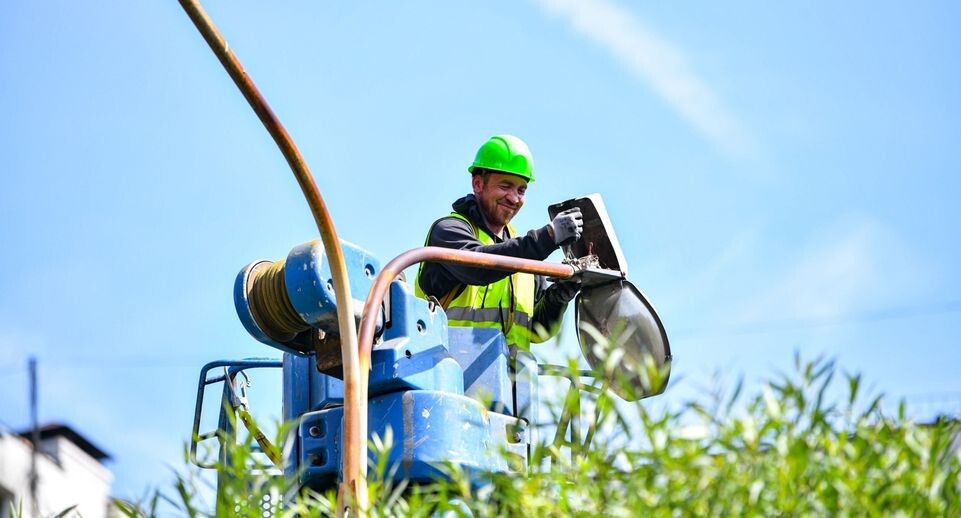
(567, 226)
(562, 292)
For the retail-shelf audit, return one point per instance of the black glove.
(562, 292)
(567, 226)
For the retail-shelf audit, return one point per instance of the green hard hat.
(505, 154)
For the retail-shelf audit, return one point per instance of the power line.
(811, 322)
(109, 363)
(4, 371)
(953, 396)
(760, 327)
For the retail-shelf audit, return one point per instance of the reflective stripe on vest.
(506, 304)
(486, 315)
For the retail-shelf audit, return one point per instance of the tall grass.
(791, 446)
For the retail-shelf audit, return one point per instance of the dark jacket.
(438, 279)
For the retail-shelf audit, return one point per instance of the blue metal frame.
(446, 394)
(225, 429)
(309, 287)
(430, 428)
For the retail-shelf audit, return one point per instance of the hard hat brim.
(530, 179)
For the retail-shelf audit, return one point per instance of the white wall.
(68, 476)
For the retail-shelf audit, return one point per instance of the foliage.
(786, 451)
(792, 447)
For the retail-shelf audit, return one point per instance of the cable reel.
(290, 304)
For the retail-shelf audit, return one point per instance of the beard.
(494, 199)
(496, 212)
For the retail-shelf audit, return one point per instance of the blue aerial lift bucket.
(447, 395)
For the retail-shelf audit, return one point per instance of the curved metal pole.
(355, 421)
(355, 460)
(368, 322)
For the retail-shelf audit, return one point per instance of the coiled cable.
(270, 304)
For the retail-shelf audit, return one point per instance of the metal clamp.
(236, 401)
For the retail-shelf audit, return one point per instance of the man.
(521, 305)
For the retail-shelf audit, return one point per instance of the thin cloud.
(658, 63)
(861, 267)
(828, 281)
(691, 287)
(854, 270)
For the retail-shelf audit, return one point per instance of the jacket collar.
(468, 207)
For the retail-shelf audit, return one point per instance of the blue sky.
(781, 177)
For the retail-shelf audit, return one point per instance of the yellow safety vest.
(507, 304)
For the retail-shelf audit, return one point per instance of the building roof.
(51, 430)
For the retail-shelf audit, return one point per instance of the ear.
(477, 183)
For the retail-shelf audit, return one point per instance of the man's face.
(500, 196)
